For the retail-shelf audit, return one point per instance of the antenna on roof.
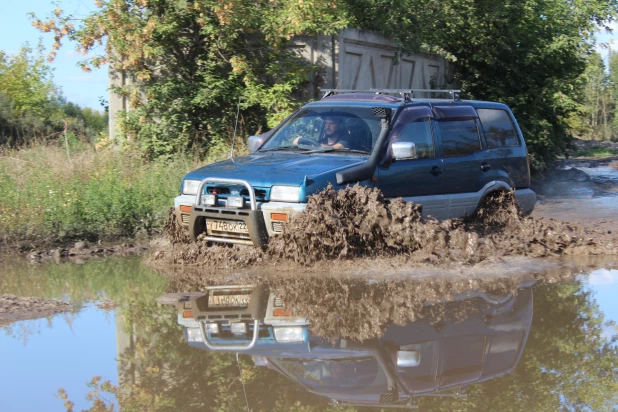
(235, 126)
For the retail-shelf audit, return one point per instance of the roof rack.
(407, 94)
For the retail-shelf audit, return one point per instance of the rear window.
(459, 137)
(498, 127)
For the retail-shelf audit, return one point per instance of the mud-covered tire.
(197, 226)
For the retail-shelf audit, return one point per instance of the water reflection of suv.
(446, 154)
(479, 338)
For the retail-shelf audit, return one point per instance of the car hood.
(283, 168)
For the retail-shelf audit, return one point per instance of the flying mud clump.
(358, 222)
(353, 222)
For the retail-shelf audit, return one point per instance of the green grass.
(46, 199)
(596, 151)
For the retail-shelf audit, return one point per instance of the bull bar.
(254, 219)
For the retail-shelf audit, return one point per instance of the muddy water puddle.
(586, 192)
(540, 339)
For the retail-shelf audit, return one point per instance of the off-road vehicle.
(446, 154)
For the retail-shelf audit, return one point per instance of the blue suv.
(445, 154)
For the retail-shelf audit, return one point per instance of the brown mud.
(355, 224)
(14, 308)
(362, 307)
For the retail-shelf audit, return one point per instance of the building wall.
(361, 60)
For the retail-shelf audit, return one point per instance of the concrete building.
(352, 59)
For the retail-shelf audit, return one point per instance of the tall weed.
(46, 198)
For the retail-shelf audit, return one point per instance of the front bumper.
(257, 216)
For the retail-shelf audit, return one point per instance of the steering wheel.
(307, 141)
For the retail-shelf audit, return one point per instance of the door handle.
(485, 166)
(436, 171)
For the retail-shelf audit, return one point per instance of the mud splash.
(359, 223)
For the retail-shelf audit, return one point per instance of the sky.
(86, 88)
(16, 29)
(57, 354)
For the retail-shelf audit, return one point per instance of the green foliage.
(528, 54)
(32, 109)
(595, 152)
(47, 198)
(596, 118)
(193, 61)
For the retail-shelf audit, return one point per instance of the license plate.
(237, 301)
(226, 226)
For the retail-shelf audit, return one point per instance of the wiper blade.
(288, 147)
(338, 150)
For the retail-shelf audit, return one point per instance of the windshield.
(359, 376)
(327, 128)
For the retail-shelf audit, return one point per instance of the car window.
(419, 133)
(305, 126)
(356, 126)
(459, 137)
(498, 128)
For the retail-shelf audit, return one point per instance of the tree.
(194, 60)
(32, 106)
(529, 54)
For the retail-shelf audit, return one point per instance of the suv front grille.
(224, 191)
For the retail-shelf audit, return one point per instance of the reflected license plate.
(226, 226)
(237, 301)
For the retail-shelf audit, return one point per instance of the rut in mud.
(358, 222)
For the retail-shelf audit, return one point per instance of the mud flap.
(197, 225)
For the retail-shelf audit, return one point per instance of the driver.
(334, 134)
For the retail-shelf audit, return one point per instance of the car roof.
(367, 99)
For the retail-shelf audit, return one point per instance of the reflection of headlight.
(284, 193)
(286, 334)
(408, 358)
(194, 335)
(189, 187)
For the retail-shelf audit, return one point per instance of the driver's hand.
(297, 139)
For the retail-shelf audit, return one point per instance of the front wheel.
(197, 226)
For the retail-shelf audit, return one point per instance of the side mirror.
(403, 150)
(254, 143)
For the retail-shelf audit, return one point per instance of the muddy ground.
(350, 238)
(81, 251)
(351, 229)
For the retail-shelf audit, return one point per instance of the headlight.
(238, 328)
(284, 193)
(189, 187)
(286, 334)
(194, 335)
